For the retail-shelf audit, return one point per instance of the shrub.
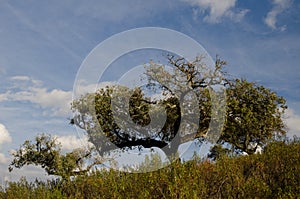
(273, 174)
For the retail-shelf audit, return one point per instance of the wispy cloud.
(57, 100)
(279, 6)
(31, 25)
(116, 11)
(21, 80)
(218, 9)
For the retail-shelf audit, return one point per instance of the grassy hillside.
(273, 174)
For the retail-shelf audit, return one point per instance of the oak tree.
(45, 151)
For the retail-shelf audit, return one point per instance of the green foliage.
(253, 112)
(110, 129)
(217, 151)
(46, 152)
(103, 114)
(273, 174)
(254, 116)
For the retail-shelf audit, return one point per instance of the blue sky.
(42, 46)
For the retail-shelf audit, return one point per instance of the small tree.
(45, 151)
(254, 116)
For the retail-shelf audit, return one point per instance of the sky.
(42, 46)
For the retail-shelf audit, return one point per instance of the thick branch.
(145, 142)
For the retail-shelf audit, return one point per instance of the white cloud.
(218, 9)
(292, 121)
(71, 142)
(4, 137)
(3, 97)
(58, 101)
(278, 7)
(82, 87)
(30, 171)
(237, 16)
(20, 78)
(3, 159)
(55, 101)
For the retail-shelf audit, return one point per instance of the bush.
(273, 174)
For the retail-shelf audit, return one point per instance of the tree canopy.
(45, 151)
(254, 116)
(253, 112)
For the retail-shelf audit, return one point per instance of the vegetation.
(273, 174)
(46, 152)
(117, 117)
(252, 116)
